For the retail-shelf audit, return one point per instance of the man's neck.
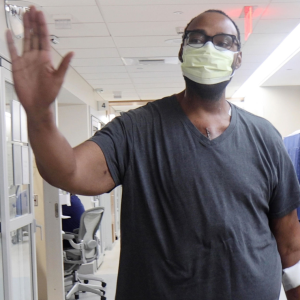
(206, 114)
(194, 105)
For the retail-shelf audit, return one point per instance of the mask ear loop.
(233, 72)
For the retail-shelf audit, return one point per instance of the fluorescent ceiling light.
(281, 55)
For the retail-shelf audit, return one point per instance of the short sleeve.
(286, 194)
(115, 141)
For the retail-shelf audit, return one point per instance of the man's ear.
(238, 60)
(180, 53)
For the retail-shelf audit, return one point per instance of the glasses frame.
(210, 38)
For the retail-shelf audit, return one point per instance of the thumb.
(63, 67)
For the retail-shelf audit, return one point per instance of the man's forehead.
(213, 23)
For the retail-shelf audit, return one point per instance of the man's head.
(214, 26)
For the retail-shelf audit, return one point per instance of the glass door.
(16, 196)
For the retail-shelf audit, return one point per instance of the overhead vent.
(180, 30)
(62, 21)
(131, 61)
(151, 61)
(117, 94)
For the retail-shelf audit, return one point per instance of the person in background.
(74, 211)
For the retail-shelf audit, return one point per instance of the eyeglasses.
(198, 39)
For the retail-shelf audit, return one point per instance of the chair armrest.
(68, 236)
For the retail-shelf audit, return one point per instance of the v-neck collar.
(203, 139)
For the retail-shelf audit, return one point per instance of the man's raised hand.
(36, 81)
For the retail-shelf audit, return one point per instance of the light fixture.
(178, 12)
(281, 55)
(141, 61)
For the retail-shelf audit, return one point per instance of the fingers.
(27, 34)
(43, 32)
(34, 37)
(62, 69)
(11, 46)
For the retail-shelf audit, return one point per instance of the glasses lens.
(223, 42)
(196, 39)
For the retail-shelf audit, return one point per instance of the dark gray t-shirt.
(195, 212)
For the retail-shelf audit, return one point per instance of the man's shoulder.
(257, 124)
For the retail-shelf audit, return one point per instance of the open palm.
(36, 81)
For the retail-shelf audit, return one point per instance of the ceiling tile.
(144, 41)
(114, 87)
(172, 2)
(158, 75)
(266, 39)
(175, 85)
(91, 53)
(249, 65)
(64, 2)
(85, 42)
(80, 14)
(106, 75)
(149, 51)
(163, 80)
(251, 58)
(148, 28)
(162, 13)
(90, 62)
(252, 49)
(112, 81)
(276, 26)
(78, 30)
(159, 68)
(283, 10)
(106, 69)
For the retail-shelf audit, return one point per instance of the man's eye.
(196, 41)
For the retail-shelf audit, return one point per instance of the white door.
(17, 239)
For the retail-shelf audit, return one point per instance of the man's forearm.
(54, 155)
(293, 294)
(289, 260)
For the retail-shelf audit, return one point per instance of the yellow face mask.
(207, 65)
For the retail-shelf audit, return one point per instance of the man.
(209, 193)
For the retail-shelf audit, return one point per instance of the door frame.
(8, 225)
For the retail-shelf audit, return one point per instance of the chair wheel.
(103, 298)
(103, 284)
(76, 296)
(86, 281)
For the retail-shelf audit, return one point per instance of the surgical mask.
(207, 65)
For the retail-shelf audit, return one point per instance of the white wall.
(73, 123)
(279, 105)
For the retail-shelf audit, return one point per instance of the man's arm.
(81, 170)
(287, 233)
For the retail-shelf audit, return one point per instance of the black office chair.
(83, 249)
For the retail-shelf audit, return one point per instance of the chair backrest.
(89, 225)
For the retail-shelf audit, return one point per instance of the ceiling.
(102, 32)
